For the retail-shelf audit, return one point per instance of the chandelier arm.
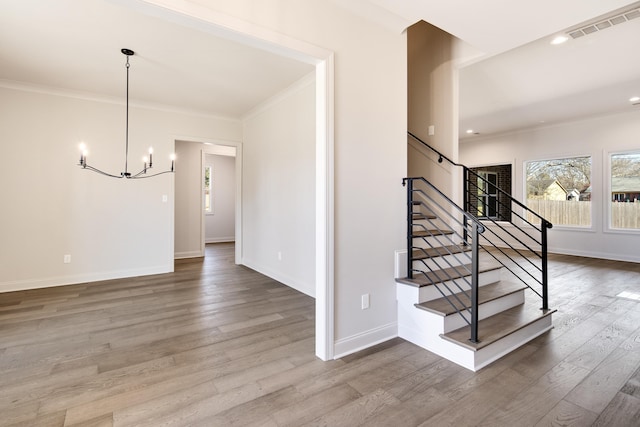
(142, 172)
(91, 168)
(150, 176)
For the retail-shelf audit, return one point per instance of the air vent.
(604, 24)
(632, 14)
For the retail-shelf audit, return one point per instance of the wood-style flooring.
(215, 344)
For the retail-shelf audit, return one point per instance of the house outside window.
(208, 194)
(625, 190)
(559, 190)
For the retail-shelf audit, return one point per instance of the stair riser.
(502, 347)
(416, 319)
(441, 262)
(428, 293)
(436, 241)
(454, 321)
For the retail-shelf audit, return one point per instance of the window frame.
(486, 200)
(608, 181)
(525, 189)
(504, 209)
(208, 210)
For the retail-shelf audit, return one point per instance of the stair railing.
(444, 228)
(523, 246)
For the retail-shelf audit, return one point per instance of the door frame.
(209, 147)
(221, 25)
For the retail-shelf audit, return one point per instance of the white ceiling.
(75, 45)
(540, 84)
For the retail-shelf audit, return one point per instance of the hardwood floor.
(215, 344)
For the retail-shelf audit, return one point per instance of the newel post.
(474, 282)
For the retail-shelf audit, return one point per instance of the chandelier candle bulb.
(83, 154)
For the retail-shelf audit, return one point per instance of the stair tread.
(485, 294)
(418, 216)
(498, 326)
(423, 253)
(445, 274)
(429, 233)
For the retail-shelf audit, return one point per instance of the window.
(559, 190)
(487, 194)
(208, 194)
(625, 190)
(485, 199)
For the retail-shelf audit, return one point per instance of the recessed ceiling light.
(559, 40)
(634, 99)
(469, 130)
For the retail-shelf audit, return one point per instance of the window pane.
(625, 190)
(559, 190)
(207, 189)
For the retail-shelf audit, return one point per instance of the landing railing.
(519, 245)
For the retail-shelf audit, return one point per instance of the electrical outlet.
(365, 301)
(279, 256)
(67, 259)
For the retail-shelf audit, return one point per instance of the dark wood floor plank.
(533, 402)
(596, 391)
(315, 405)
(218, 344)
(569, 415)
(632, 387)
(357, 412)
(624, 410)
(481, 402)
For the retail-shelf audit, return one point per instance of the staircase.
(473, 290)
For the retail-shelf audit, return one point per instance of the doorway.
(191, 215)
(219, 194)
(323, 62)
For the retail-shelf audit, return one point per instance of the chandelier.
(147, 161)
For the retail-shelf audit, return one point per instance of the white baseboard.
(220, 239)
(305, 288)
(48, 282)
(346, 346)
(189, 254)
(595, 254)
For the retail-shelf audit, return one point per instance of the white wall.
(433, 100)
(220, 224)
(370, 151)
(278, 201)
(50, 207)
(188, 206)
(596, 137)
